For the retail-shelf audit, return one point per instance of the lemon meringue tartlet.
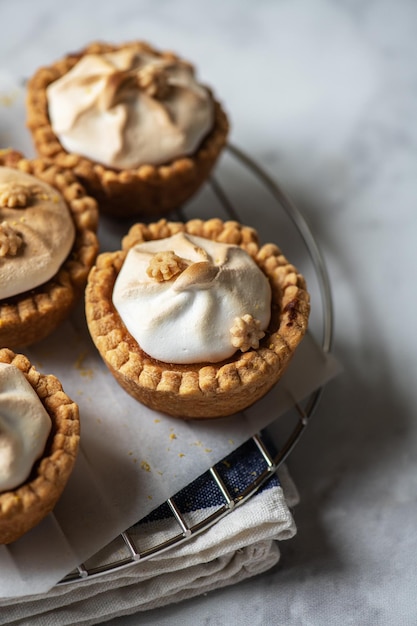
(48, 245)
(196, 319)
(39, 439)
(132, 122)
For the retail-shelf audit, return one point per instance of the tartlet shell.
(147, 191)
(24, 507)
(199, 390)
(29, 317)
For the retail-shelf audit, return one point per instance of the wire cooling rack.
(261, 448)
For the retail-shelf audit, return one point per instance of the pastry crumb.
(87, 372)
(8, 100)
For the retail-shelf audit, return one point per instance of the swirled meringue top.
(188, 299)
(24, 427)
(125, 109)
(36, 232)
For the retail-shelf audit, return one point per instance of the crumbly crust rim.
(199, 390)
(24, 507)
(146, 191)
(31, 316)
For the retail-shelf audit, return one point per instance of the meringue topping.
(214, 299)
(36, 232)
(128, 108)
(24, 427)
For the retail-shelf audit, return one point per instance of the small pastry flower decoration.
(16, 196)
(10, 240)
(165, 265)
(246, 333)
(154, 81)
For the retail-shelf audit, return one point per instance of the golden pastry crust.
(29, 317)
(199, 390)
(146, 191)
(24, 507)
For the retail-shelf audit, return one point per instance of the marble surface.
(324, 95)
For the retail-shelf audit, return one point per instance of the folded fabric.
(241, 544)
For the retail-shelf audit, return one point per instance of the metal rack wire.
(126, 545)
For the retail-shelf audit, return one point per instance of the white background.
(324, 95)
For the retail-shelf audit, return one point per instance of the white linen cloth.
(240, 545)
